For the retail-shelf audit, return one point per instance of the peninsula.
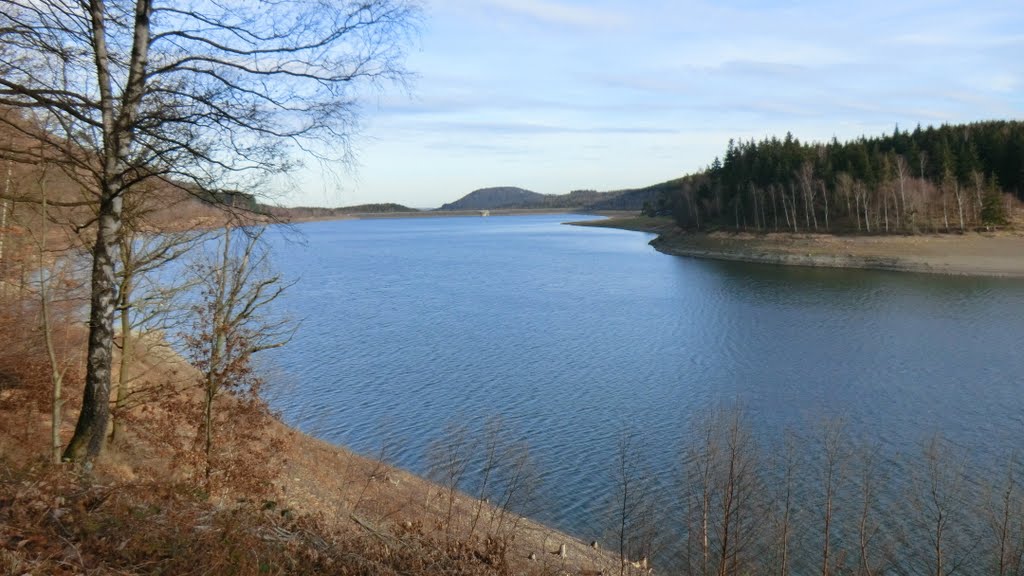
(971, 253)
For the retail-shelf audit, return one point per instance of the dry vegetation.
(278, 501)
(265, 499)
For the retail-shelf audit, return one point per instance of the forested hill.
(634, 198)
(954, 177)
(585, 200)
(493, 198)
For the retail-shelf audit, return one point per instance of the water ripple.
(574, 334)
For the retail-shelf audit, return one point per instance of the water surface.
(572, 334)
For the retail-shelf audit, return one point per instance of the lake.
(574, 334)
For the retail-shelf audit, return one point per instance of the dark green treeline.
(955, 177)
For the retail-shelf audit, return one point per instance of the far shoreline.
(458, 213)
(997, 254)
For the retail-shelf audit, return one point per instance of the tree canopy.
(928, 178)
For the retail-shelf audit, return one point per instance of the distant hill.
(494, 198)
(508, 197)
(301, 212)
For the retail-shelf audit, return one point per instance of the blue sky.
(555, 95)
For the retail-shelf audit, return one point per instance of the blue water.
(573, 334)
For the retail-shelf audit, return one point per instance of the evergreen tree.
(993, 209)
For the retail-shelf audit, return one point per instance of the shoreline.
(999, 254)
(342, 492)
(456, 213)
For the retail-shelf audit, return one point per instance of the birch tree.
(207, 96)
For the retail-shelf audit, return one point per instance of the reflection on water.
(573, 333)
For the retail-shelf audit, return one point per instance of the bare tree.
(231, 323)
(867, 525)
(211, 96)
(785, 506)
(832, 477)
(47, 274)
(1005, 511)
(633, 516)
(940, 543)
(450, 458)
(147, 299)
(725, 536)
(699, 491)
(902, 173)
(806, 177)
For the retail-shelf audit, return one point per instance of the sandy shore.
(973, 254)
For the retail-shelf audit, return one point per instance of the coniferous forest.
(946, 179)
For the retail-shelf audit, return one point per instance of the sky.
(558, 95)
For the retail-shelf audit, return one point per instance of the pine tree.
(993, 210)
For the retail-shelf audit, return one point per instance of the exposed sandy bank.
(972, 253)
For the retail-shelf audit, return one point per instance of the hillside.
(279, 501)
(315, 212)
(634, 198)
(584, 200)
(494, 198)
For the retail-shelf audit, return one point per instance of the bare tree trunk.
(896, 204)
(885, 210)
(976, 206)
(753, 196)
(807, 211)
(901, 175)
(867, 215)
(865, 531)
(3, 222)
(775, 208)
(832, 438)
(790, 450)
(728, 511)
(216, 352)
(785, 211)
(120, 391)
(824, 195)
(792, 205)
(56, 374)
(979, 185)
(492, 439)
(856, 198)
(91, 429)
(959, 204)
(1001, 524)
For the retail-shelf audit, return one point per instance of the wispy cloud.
(534, 129)
(561, 13)
(549, 92)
